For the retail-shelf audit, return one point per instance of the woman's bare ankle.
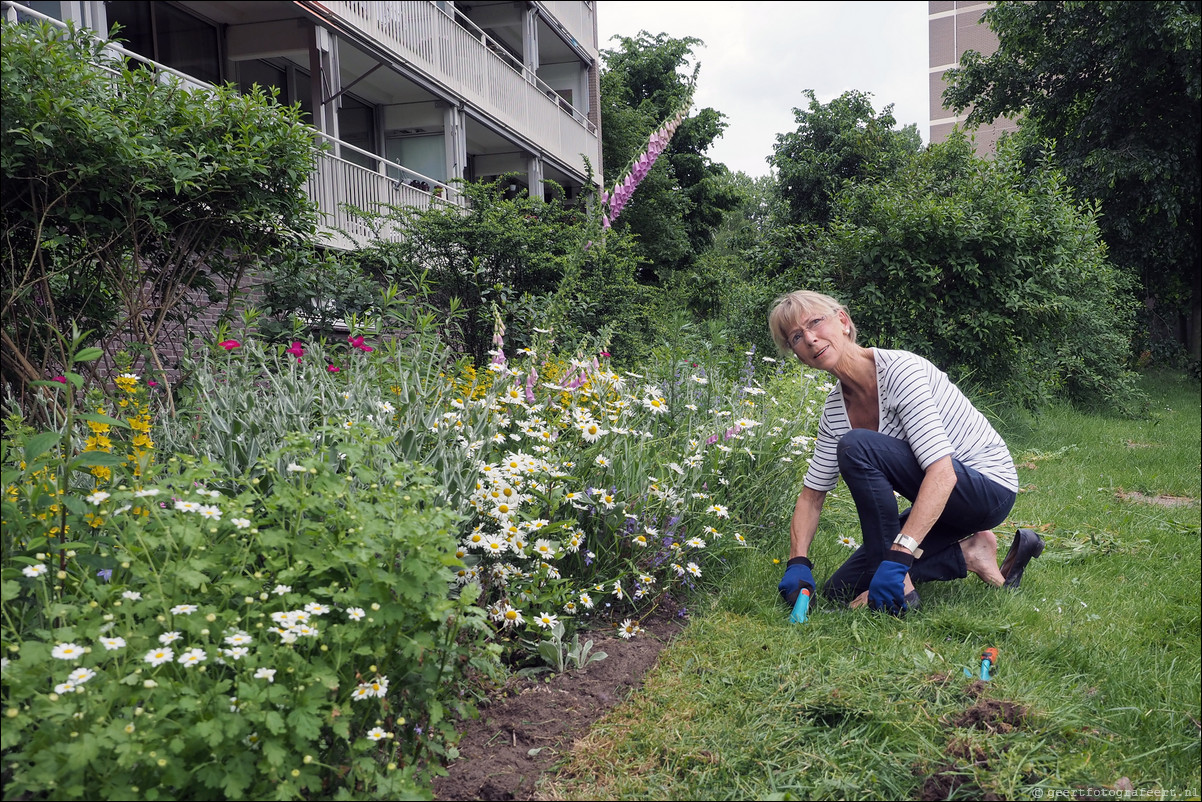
(980, 557)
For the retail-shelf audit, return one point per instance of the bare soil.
(530, 724)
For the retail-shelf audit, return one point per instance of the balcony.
(336, 182)
(464, 62)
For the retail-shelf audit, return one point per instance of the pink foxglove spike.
(530, 381)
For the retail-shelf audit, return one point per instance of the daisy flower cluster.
(187, 646)
(599, 491)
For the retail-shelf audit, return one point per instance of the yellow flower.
(98, 442)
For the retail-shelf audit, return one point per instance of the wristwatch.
(907, 542)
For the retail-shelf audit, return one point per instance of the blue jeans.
(874, 465)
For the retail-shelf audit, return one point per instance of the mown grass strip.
(1097, 685)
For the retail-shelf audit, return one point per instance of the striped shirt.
(920, 406)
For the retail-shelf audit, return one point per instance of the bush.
(130, 199)
(997, 276)
(185, 631)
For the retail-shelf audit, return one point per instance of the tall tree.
(679, 203)
(1116, 86)
(836, 143)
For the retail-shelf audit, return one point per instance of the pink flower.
(230, 345)
(152, 383)
(357, 342)
(612, 203)
(333, 368)
(60, 379)
(530, 381)
(297, 351)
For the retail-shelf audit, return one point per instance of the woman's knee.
(854, 442)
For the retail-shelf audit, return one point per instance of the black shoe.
(1026, 546)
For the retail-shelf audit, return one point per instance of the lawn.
(1095, 693)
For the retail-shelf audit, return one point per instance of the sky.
(758, 57)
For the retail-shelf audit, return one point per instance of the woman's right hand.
(798, 575)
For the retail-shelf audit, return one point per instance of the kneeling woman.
(894, 422)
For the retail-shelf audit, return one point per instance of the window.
(170, 36)
(357, 126)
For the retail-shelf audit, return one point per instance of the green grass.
(1098, 680)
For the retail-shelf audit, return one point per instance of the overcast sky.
(758, 57)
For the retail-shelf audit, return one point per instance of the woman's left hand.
(887, 591)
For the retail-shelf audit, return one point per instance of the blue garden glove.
(887, 590)
(798, 575)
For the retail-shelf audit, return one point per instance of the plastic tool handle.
(988, 661)
(801, 607)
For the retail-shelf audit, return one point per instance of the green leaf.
(97, 417)
(83, 751)
(88, 354)
(305, 723)
(39, 444)
(91, 458)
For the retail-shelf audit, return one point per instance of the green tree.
(997, 275)
(836, 143)
(516, 254)
(682, 200)
(129, 200)
(735, 278)
(1116, 85)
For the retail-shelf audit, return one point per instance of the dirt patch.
(1161, 500)
(530, 724)
(952, 780)
(992, 716)
(957, 776)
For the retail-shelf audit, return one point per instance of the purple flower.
(613, 203)
(105, 573)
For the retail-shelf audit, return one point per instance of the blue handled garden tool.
(988, 662)
(801, 607)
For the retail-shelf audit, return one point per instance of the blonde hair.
(790, 311)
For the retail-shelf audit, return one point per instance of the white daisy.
(156, 657)
(67, 651)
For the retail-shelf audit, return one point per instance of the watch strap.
(907, 542)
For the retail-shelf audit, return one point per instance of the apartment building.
(408, 96)
(955, 26)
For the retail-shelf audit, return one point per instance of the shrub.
(198, 633)
(997, 276)
(128, 198)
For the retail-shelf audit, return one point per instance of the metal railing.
(339, 187)
(336, 184)
(470, 66)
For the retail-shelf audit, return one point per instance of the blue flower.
(105, 573)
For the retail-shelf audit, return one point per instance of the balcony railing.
(576, 19)
(338, 186)
(335, 183)
(462, 61)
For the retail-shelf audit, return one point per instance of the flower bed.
(292, 603)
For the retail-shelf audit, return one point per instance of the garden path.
(528, 725)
